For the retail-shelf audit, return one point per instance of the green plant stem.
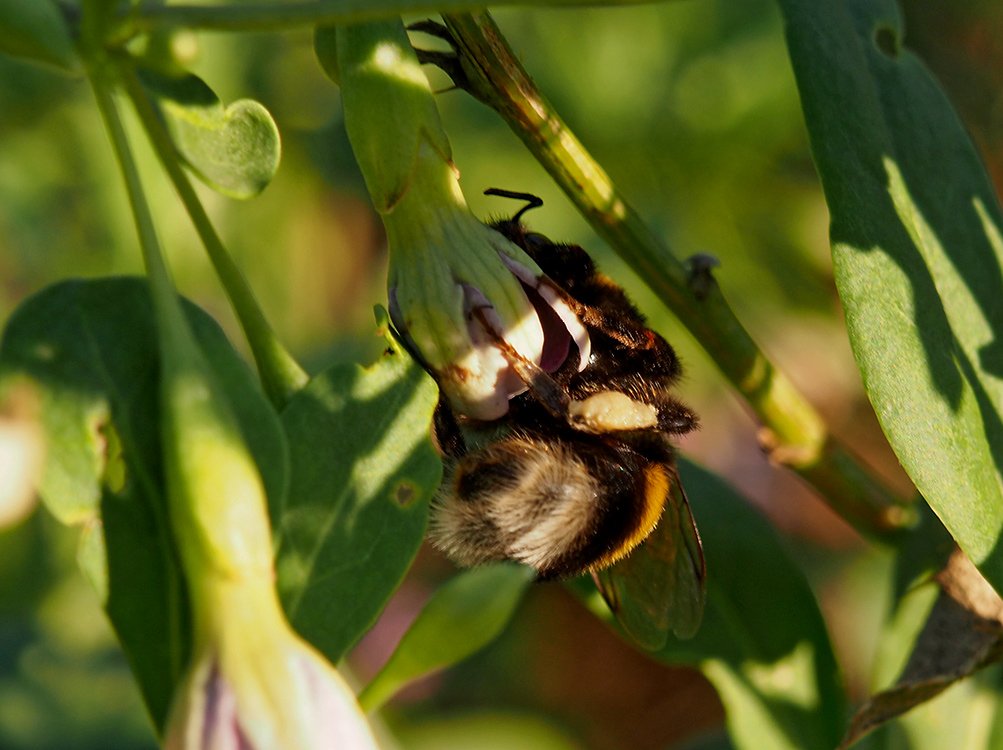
(793, 432)
(276, 16)
(161, 287)
(280, 374)
(168, 313)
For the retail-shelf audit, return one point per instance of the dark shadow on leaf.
(146, 599)
(916, 248)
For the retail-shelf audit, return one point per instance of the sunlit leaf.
(234, 149)
(89, 348)
(462, 617)
(917, 249)
(35, 29)
(363, 471)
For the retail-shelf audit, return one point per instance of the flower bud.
(254, 685)
(468, 302)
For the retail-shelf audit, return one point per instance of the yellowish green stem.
(160, 286)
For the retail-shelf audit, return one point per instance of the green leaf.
(89, 347)
(462, 617)
(763, 643)
(363, 471)
(924, 552)
(325, 47)
(36, 30)
(234, 149)
(132, 564)
(917, 249)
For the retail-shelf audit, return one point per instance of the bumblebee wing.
(661, 586)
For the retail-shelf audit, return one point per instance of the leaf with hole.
(363, 471)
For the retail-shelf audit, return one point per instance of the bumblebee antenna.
(532, 201)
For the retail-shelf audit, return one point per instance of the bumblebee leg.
(675, 418)
(448, 436)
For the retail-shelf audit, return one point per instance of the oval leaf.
(89, 348)
(36, 30)
(235, 149)
(363, 471)
(917, 250)
(462, 617)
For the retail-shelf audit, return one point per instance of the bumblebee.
(581, 469)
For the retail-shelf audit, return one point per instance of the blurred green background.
(691, 107)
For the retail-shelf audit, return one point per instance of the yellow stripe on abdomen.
(656, 490)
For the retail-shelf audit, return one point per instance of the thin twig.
(275, 16)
